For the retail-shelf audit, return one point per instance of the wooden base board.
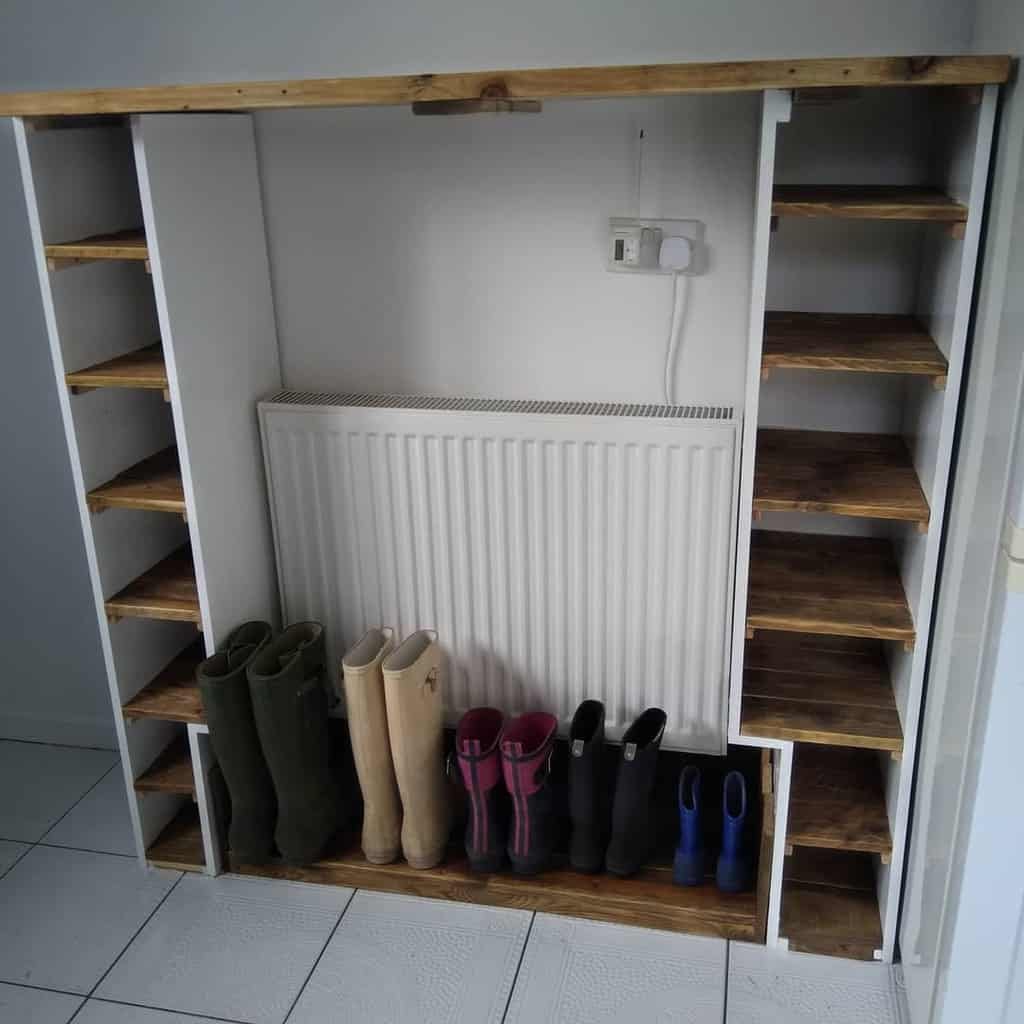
(180, 845)
(648, 900)
(829, 905)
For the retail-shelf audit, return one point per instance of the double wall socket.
(635, 245)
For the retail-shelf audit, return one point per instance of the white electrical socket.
(634, 244)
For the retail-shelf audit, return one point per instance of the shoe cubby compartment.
(179, 845)
(870, 209)
(649, 898)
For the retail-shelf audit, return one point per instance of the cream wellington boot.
(412, 691)
(371, 746)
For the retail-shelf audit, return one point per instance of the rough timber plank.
(829, 905)
(837, 801)
(866, 202)
(819, 690)
(858, 342)
(864, 475)
(121, 245)
(173, 695)
(180, 845)
(153, 484)
(166, 591)
(817, 583)
(143, 368)
(649, 899)
(535, 84)
(171, 772)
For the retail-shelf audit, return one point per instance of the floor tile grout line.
(515, 977)
(65, 746)
(158, 1009)
(42, 988)
(725, 982)
(319, 957)
(85, 849)
(137, 933)
(29, 847)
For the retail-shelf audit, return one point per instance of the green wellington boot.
(289, 700)
(225, 692)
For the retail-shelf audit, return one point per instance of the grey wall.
(53, 684)
(56, 43)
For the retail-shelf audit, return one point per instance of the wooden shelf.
(866, 202)
(837, 801)
(166, 591)
(173, 696)
(171, 772)
(855, 342)
(833, 585)
(153, 484)
(143, 368)
(180, 845)
(817, 689)
(829, 904)
(866, 475)
(119, 245)
(532, 84)
(649, 899)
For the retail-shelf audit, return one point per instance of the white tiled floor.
(89, 936)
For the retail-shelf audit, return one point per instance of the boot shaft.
(526, 748)
(638, 764)
(586, 762)
(734, 813)
(478, 756)
(690, 818)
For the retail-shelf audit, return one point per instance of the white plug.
(676, 253)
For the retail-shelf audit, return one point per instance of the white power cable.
(679, 293)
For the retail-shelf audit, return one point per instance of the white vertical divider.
(203, 213)
(775, 110)
(949, 318)
(56, 352)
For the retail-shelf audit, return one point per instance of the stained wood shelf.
(171, 772)
(173, 695)
(119, 245)
(867, 202)
(180, 845)
(152, 485)
(864, 475)
(829, 904)
(853, 342)
(832, 585)
(144, 369)
(649, 899)
(166, 591)
(819, 689)
(837, 801)
(529, 84)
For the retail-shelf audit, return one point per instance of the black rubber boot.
(588, 807)
(236, 743)
(289, 700)
(526, 748)
(632, 831)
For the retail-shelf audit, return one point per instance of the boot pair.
(266, 705)
(503, 765)
(393, 700)
(733, 870)
(623, 843)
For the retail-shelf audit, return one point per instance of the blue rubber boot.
(688, 864)
(733, 873)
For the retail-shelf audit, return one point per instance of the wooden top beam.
(536, 84)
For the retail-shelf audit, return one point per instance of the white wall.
(49, 43)
(957, 963)
(466, 255)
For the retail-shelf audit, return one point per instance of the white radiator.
(561, 550)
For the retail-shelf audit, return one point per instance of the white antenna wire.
(680, 287)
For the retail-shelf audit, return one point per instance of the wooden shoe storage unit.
(861, 300)
(858, 333)
(162, 335)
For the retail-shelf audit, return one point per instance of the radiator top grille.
(438, 404)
